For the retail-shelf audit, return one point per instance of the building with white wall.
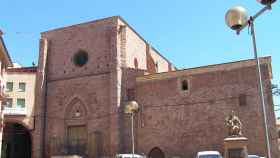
(5, 61)
(18, 110)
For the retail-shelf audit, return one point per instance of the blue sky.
(189, 33)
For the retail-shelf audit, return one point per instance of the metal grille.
(72, 147)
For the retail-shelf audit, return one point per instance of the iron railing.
(14, 111)
(70, 147)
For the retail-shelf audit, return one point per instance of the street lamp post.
(237, 19)
(132, 108)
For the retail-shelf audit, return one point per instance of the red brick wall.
(183, 123)
(94, 38)
(93, 93)
(92, 85)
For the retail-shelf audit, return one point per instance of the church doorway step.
(156, 153)
(16, 141)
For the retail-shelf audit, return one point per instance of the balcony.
(14, 111)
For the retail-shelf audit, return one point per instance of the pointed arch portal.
(76, 109)
(76, 128)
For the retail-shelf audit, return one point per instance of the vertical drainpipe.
(44, 119)
(44, 103)
(121, 64)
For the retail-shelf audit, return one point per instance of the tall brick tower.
(80, 86)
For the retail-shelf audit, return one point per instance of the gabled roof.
(3, 49)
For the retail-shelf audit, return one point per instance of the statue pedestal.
(235, 147)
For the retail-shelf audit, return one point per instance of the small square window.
(21, 86)
(9, 103)
(242, 100)
(183, 85)
(21, 103)
(9, 86)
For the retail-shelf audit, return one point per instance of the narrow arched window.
(185, 85)
(156, 66)
(135, 63)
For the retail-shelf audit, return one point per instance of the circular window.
(80, 58)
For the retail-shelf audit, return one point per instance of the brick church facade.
(87, 72)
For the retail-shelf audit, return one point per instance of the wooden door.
(77, 140)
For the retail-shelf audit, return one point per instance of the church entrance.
(16, 141)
